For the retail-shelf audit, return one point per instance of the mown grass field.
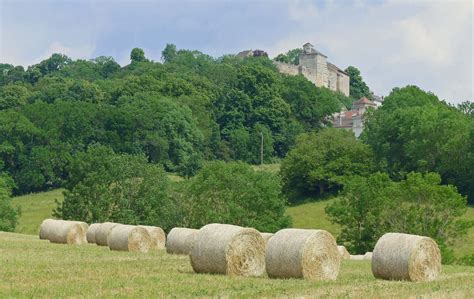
(30, 267)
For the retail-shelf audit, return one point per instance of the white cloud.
(302, 10)
(426, 43)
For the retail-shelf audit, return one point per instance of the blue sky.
(393, 43)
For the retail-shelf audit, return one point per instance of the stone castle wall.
(332, 79)
(315, 68)
(343, 83)
(321, 71)
(287, 68)
(309, 74)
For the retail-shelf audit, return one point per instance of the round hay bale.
(267, 236)
(129, 238)
(158, 237)
(228, 249)
(44, 228)
(368, 256)
(85, 228)
(343, 252)
(103, 232)
(406, 257)
(91, 231)
(303, 253)
(180, 240)
(62, 231)
(357, 257)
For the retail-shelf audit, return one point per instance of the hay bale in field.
(406, 257)
(158, 237)
(44, 228)
(180, 240)
(303, 253)
(228, 249)
(103, 232)
(91, 231)
(129, 238)
(343, 252)
(368, 256)
(267, 236)
(85, 228)
(62, 231)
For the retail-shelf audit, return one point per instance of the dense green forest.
(188, 109)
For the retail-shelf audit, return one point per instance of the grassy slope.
(312, 215)
(34, 268)
(35, 208)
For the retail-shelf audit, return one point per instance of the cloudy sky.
(393, 43)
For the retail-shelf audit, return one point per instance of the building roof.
(245, 53)
(338, 69)
(351, 113)
(364, 101)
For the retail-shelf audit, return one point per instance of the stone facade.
(315, 67)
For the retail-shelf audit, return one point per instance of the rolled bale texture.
(343, 252)
(158, 237)
(62, 231)
(399, 256)
(267, 236)
(129, 238)
(44, 228)
(368, 256)
(103, 232)
(85, 228)
(180, 240)
(303, 253)
(91, 231)
(228, 249)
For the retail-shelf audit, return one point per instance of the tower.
(314, 65)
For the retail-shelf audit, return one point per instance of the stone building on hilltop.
(252, 53)
(315, 67)
(353, 120)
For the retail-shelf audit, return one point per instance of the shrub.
(105, 186)
(8, 214)
(414, 131)
(466, 260)
(320, 161)
(233, 193)
(369, 207)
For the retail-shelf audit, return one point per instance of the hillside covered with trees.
(178, 113)
(110, 135)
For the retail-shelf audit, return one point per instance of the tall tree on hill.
(320, 162)
(414, 131)
(357, 87)
(292, 56)
(169, 53)
(137, 55)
